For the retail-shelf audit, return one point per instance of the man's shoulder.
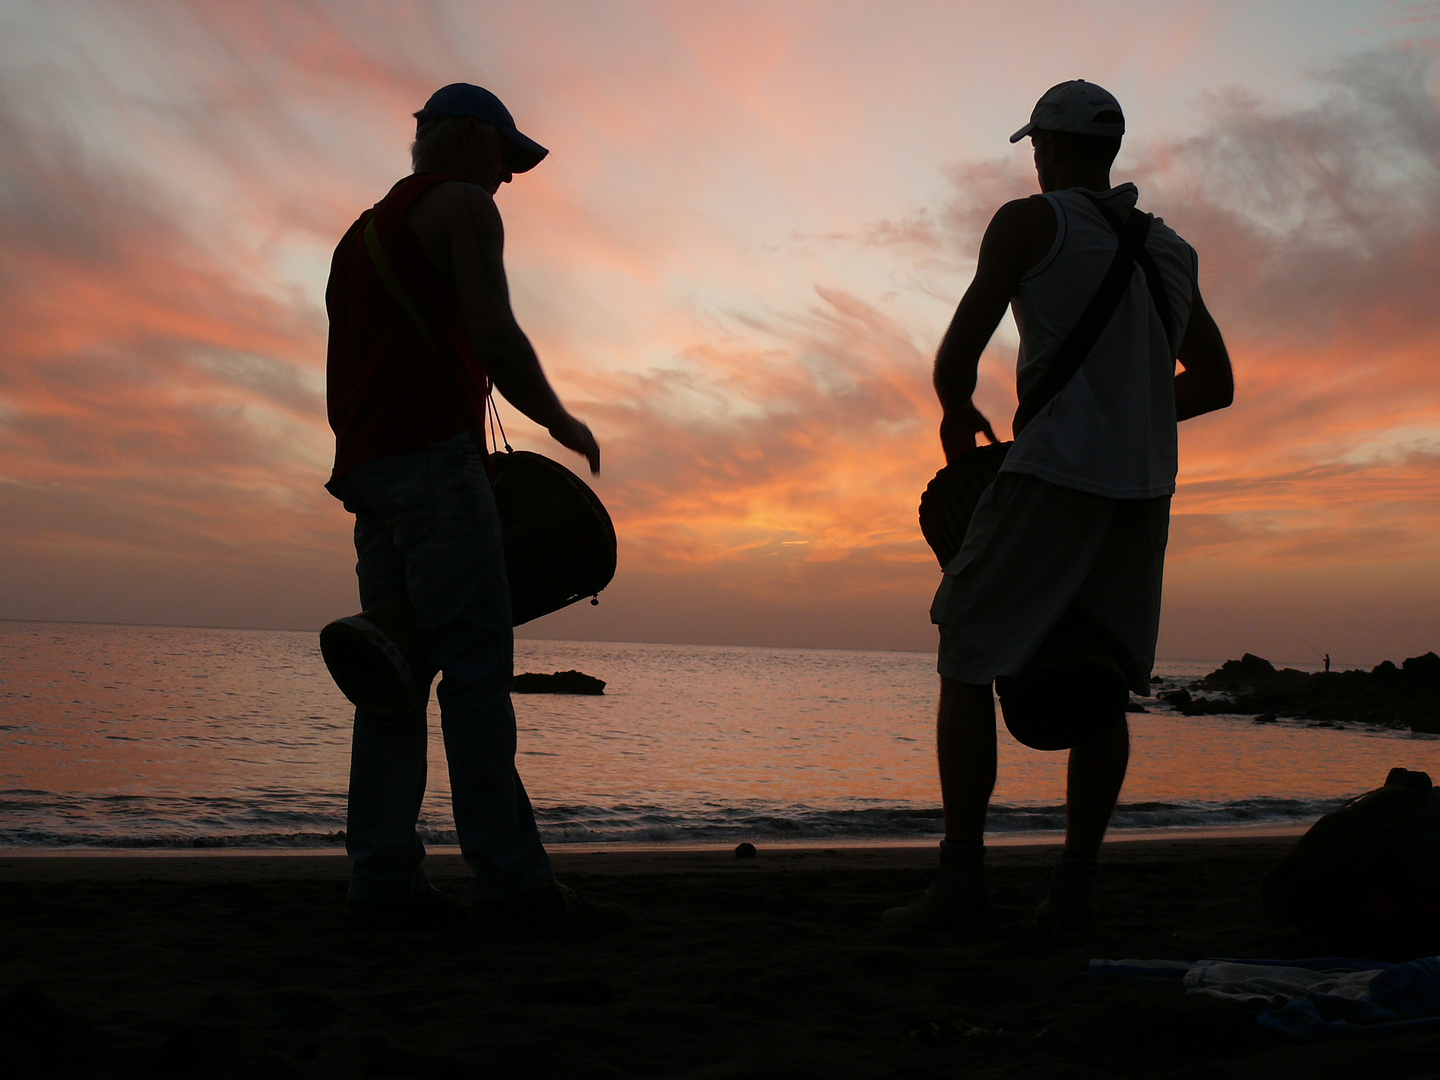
(1024, 213)
(454, 207)
(1025, 227)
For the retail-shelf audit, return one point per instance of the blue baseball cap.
(463, 99)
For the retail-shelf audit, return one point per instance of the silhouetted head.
(466, 131)
(1076, 128)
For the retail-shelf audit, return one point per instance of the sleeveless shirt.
(387, 391)
(1111, 431)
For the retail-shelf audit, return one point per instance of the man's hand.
(574, 435)
(958, 431)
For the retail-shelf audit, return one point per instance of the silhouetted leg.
(456, 580)
(426, 525)
(965, 746)
(387, 787)
(387, 755)
(1096, 774)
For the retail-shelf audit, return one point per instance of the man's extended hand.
(958, 431)
(573, 435)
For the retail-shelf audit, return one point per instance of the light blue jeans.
(425, 525)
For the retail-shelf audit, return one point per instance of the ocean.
(120, 737)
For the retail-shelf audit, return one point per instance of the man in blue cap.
(1064, 554)
(420, 329)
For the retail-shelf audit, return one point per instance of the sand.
(198, 966)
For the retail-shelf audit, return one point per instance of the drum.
(1071, 691)
(559, 541)
(949, 501)
(559, 548)
(377, 660)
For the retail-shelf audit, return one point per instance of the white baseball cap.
(1077, 106)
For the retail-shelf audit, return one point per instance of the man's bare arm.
(1207, 382)
(1018, 236)
(460, 229)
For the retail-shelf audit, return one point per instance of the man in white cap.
(1065, 551)
(420, 328)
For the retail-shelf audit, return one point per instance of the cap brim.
(1026, 130)
(525, 152)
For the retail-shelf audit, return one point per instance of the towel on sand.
(1310, 999)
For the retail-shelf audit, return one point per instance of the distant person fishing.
(420, 326)
(1053, 595)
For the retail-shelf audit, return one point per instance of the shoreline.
(1046, 838)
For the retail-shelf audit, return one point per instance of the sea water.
(165, 737)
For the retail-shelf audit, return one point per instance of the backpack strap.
(1093, 320)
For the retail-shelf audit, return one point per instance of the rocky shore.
(1407, 696)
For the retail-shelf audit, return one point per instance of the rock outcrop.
(1398, 697)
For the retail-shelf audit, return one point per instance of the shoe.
(427, 911)
(942, 907)
(1067, 908)
(550, 910)
(956, 900)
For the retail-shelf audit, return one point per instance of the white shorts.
(1035, 552)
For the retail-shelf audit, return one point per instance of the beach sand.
(199, 966)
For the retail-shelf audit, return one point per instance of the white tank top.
(1111, 430)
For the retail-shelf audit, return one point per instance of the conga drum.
(559, 541)
(949, 501)
(560, 547)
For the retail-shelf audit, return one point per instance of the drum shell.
(560, 543)
(950, 499)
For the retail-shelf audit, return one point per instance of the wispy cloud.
(760, 381)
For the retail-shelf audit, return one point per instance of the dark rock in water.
(561, 682)
(1421, 716)
(1248, 669)
(1265, 718)
(1182, 701)
(1135, 707)
(1423, 668)
(745, 850)
(1387, 696)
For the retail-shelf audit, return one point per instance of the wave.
(47, 821)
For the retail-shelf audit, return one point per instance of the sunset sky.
(736, 265)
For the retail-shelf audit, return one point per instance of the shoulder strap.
(393, 285)
(1093, 320)
(391, 280)
(1159, 296)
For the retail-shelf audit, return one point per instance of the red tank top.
(386, 390)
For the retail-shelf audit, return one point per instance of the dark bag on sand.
(1366, 878)
(950, 498)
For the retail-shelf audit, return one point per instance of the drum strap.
(1093, 320)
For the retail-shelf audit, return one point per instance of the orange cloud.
(759, 378)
